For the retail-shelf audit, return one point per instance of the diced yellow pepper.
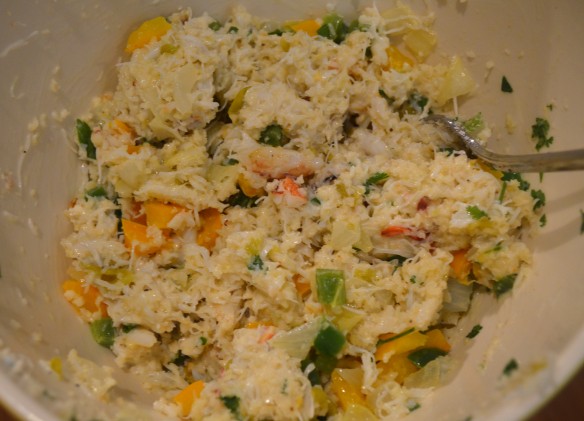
(309, 26)
(160, 214)
(460, 266)
(151, 30)
(397, 60)
(247, 188)
(237, 104)
(186, 397)
(136, 238)
(210, 225)
(400, 345)
(346, 392)
(400, 365)
(321, 401)
(436, 339)
(90, 295)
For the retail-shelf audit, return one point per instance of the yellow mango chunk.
(160, 214)
(400, 345)
(236, 104)
(400, 365)
(460, 266)
(136, 238)
(211, 223)
(309, 26)
(436, 339)
(397, 60)
(186, 397)
(347, 393)
(151, 30)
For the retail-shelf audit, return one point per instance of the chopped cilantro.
(506, 86)
(256, 263)
(502, 192)
(412, 406)
(334, 28)
(540, 132)
(229, 161)
(390, 99)
(509, 175)
(474, 124)
(550, 106)
(377, 178)
(233, 30)
(180, 359)
(240, 199)
(504, 284)
(543, 220)
(231, 402)
(215, 26)
(538, 198)
(415, 104)
(474, 331)
(476, 213)
(203, 340)
(315, 201)
(84, 138)
(413, 279)
(98, 191)
(128, 327)
(510, 367)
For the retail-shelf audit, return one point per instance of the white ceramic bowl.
(74, 46)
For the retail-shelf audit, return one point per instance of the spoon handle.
(541, 162)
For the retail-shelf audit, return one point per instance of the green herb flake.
(415, 104)
(538, 199)
(330, 287)
(412, 406)
(84, 138)
(550, 106)
(413, 279)
(509, 175)
(203, 340)
(474, 124)
(315, 201)
(103, 331)
(504, 284)
(510, 367)
(506, 86)
(241, 200)
(543, 220)
(375, 179)
(502, 192)
(180, 359)
(540, 133)
(232, 402)
(476, 213)
(233, 30)
(229, 161)
(390, 99)
(474, 331)
(128, 327)
(256, 263)
(215, 26)
(97, 192)
(393, 338)
(277, 32)
(423, 356)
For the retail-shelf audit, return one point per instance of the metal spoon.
(541, 162)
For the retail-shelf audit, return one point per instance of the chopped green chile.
(103, 331)
(329, 341)
(241, 200)
(474, 331)
(334, 28)
(215, 26)
(506, 86)
(84, 138)
(330, 287)
(98, 191)
(273, 135)
(256, 263)
(423, 356)
(504, 284)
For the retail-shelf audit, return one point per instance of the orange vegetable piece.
(160, 214)
(90, 294)
(136, 237)
(395, 230)
(400, 365)
(461, 266)
(396, 59)
(211, 223)
(436, 339)
(186, 397)
(347, 393)
(401, 345)
(132, 149)
(289, 186)
(121, 127)
(151, 30)
(302, 286)
(309, 26)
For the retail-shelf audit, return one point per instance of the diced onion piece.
(297, 342)
(420, 42)
(457, 82)
(344, 234)
(459, 297)
(431, 375)
(348, 318)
